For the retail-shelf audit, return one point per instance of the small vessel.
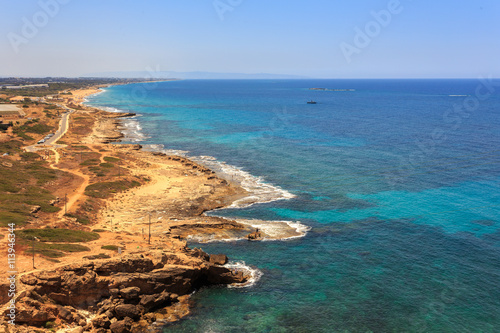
(311, 102)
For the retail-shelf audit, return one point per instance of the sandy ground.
(79, 95)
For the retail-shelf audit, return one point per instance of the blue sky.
(315, 38)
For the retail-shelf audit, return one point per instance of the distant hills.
(193, 75)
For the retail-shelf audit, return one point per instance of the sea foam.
(132, 130)
(241, 266)
(258, 190)
(86, 98)
(130, 126)
(278, 230)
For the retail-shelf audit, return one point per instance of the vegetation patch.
(10, 147)
(80, 147)
(39, 129)
(32, 126)
(97, 256)
(40, 172)
(19, 219)
(111, 159)
(49, 114)
(50, 324)
(46, 252)
(29, 156)
(84, 213)
(110, 247)
(80, 218)
(106, 189)
(20, 189)
(23, 135)
(55, 250)
(106, 165)
(99, 172)
(91, 161)
(58, 235)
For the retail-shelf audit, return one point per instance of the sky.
(313, 38)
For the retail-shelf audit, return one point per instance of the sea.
(395, 185)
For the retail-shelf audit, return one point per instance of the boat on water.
(311, 102)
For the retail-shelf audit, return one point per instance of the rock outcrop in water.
(255, 236)
(136, 293)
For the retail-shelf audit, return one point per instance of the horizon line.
(299, 78)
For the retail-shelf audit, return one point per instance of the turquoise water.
(399, 181)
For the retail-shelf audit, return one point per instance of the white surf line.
(255, 274)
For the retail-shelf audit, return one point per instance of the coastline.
(176, 192)
(256, 190)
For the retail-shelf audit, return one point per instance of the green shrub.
(50, 324)
(24, 136)
(106, 189)
(39, 129)
(10, 217)
(79, 218)
(111, 159)
(110, 247)
(54, 250)
(11, 146)
(29, 156)
(80, 147)
(58, 235)
(92, 161)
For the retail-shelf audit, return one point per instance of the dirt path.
(73, 197)
(57, 158)
(79, 192)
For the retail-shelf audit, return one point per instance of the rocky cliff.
(136, 293)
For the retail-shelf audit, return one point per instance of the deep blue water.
(399, 181)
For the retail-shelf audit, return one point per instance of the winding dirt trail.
(79, 192)
(76, 194)
(73, 197)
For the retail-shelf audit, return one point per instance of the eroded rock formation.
(135, 293)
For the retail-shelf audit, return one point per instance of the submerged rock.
(257, 235)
